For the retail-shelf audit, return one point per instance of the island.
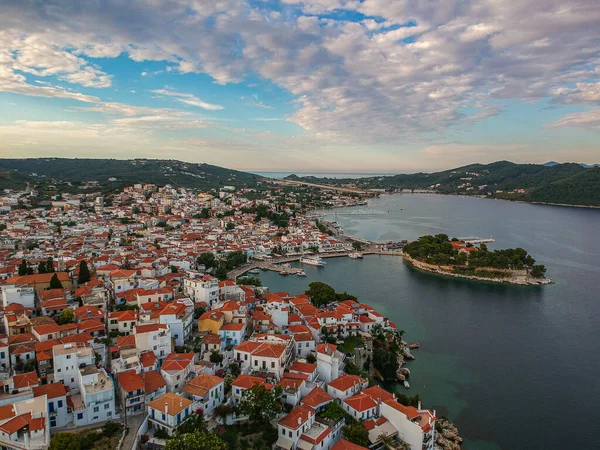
(452, 257)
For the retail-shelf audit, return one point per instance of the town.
(121, 318)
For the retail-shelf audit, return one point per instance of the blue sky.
(316, 85)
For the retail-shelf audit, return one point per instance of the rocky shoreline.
(446, 437)
(516, 280)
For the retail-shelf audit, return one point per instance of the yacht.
(355, 255)
(256, 270)
(284, 272)
(313, 261)
(301, 273)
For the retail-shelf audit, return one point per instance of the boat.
(355, 255)
(406, 385)
(284, 272)
(312, 261)
(256, 270)
(414, 345)
(301, 273)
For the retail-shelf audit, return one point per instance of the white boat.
(313, 261)
(301, 274)
(406, 385)
(257, 270)
(355, 255)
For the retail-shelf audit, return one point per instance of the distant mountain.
(114, 173)
(551, 163)
(568, 183)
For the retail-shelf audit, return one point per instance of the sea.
(515, 367)
(279, 175)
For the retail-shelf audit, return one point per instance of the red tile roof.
(361, 402)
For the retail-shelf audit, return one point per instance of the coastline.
(437, 270)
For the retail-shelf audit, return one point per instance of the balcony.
(131, 401)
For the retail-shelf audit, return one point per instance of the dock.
(476, 240)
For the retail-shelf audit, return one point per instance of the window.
(290, 433)
(80, 416)
(109, 414)
(2, 355)
(96, 409)
(51, 406)
(60, 404)
(106, 406)
(68, 356)
(272, 364)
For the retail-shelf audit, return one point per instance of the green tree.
(310, 358)
(66, 316)
(216, 357)
(198, 440)
(55, 282)
(207, 260)
(65, 441)
(23, 268)
(192, 423)
(356, 433)
(386, 362)
(538, 270)
(221, 272)
(320, 293)
(41, 268)
(249, 281)
(357, 246)
(84, 273)
(50, 265)
(230, 226)
(261, 404)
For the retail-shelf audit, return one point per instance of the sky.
(363, 86)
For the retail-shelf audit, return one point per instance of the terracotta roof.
(47, 328)
(130, 381)
(361, 402)
(303, 367)
(15, 424)
(343, 444)
(153, 381)
(27, 379)
(345, 382)
(174, 402)
(297, 417)
(202, 384)
(377, 393)
(51, 390)
(316, 398)
(150, 328)
(37, 278)
(178, 361)
(147, 359)
(211, 339)
(233, 327)
(247, 381)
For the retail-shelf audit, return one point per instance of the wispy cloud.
(188, 99)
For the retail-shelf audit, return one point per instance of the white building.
(25, 425)
(329, 362)
(179, 317)
(202, 288)
(16, 294)
(207, 391)
(415, 426)
(168, 411)
(177, 369)
(67, 358)
(154, 337)
(58, 412)
(97, 396)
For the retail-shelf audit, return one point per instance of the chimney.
(181, 403)
(419, 407)
(166, 409)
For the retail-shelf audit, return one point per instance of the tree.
(357, 246)
(66, 316)
(249, 281)
(207, 260)
(356, 433)
(320, 293)
(50, 265)
(310, 358)
(41, 268)
(192, 423)
(221, 273)
(198, 440)
(84, 273)
(386, 362)
(55, 282)
(230, 226)
(23, 268)
(261, 404)
(538, 270)
(65, 441)
(216, 357)
(174, 269)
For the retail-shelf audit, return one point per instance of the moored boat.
(301, 274)
(355, 255)
(313, 261)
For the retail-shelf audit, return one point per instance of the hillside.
(15, 173)
(568, 183)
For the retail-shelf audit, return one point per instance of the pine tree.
(55, 282)
(50, 265)
(23, 268)
(42, 267)
(84, 273)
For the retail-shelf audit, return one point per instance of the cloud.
(188, 99)
(589, 120)
(406, 70)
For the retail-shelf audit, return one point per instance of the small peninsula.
(452, 257)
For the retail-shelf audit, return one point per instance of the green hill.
(15, 173)
(568, 183)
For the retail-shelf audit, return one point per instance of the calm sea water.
(515, 367)
(320, 175)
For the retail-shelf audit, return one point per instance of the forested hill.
(15, 173)
(569, 183)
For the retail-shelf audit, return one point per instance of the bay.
(515, 367)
